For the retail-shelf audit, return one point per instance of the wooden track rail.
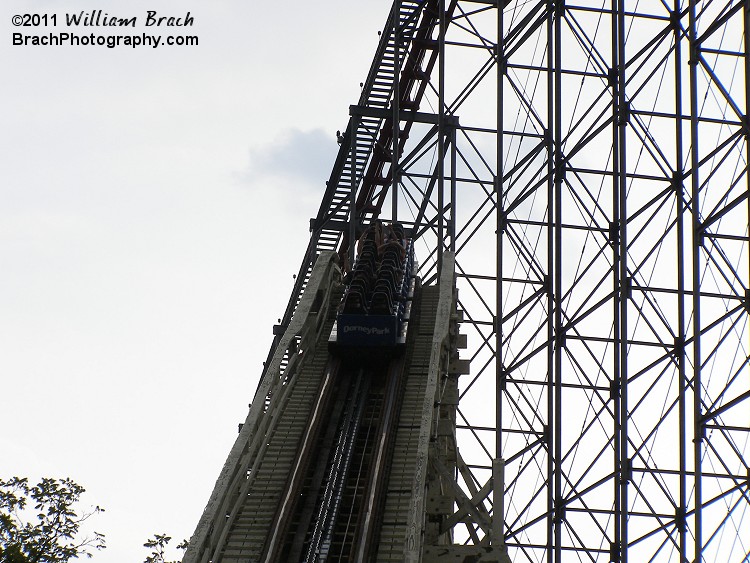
(336, 459)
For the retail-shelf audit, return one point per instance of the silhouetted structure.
(577, 174)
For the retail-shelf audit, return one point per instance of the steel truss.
(602, 256)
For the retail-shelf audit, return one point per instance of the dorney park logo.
(367, 329)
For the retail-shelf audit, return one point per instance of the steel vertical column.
(696, 285)
(678, 186)
(622, 296)
(499, 231)
(452, 216)
(499, 488)
(618, 380)
(557, 376)
(553, 290)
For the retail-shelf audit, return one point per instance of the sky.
(154, 205)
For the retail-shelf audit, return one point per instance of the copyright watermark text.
(95, 28)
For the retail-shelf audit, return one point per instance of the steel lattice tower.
(586, 163)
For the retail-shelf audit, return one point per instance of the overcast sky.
(154, 204)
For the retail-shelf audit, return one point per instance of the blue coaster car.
(374, 311)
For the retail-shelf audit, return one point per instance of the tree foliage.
(158, 545)
(48, 533)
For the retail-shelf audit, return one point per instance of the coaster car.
(374, 312)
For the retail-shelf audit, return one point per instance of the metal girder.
(595, 194)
